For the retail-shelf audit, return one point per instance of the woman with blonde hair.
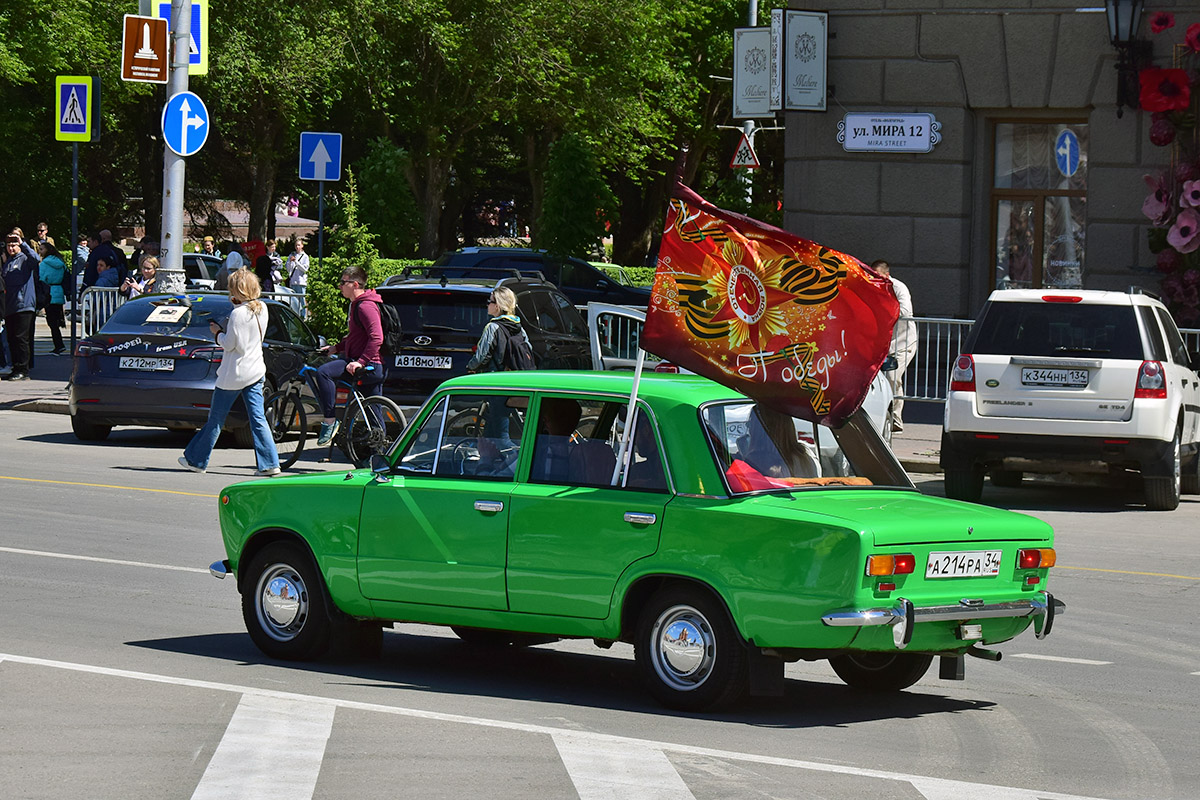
(241, 373)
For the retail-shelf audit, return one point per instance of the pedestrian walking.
(20, 303)
(53, 271)
(241, 374)
(904, 341)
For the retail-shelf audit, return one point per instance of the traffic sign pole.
(321, 223)
(74, 240)
(170, 268)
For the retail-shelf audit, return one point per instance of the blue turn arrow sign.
(320, 156)
(185, 124)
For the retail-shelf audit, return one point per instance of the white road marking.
(116, 561)
(618, 770)
(1059, 658)
(963, 789)
(273, 747)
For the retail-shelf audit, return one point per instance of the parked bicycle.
(367, 424)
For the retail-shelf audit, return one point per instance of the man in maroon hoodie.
(359, 349)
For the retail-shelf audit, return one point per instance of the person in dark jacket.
(359, 349)
(265, 270)
(20, 304)
(502, 308)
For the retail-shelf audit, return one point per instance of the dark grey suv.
(577, 279)
(442, 319)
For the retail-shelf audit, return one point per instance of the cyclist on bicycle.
(359, 349)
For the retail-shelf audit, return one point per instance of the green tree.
(576, 196)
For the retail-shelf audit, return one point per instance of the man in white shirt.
(904, 341)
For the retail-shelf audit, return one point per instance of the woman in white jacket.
(241, 373)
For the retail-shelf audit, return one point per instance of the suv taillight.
(1151, 381)
(962, 377)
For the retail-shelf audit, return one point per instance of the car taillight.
(213, 354)
(1062, 298)
(666, 366)
(88, 349)
(1151, 382)
(1041, 558)
(962, 377)
(900, 564)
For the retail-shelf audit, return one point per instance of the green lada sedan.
(721, 538)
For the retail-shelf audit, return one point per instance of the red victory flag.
(796, 326)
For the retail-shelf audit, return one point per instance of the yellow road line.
(1130, 572)
(106, 486)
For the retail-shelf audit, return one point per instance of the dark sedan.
(154, 363)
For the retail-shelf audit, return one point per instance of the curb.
(45, 406)
(923, 467)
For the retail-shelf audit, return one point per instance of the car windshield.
(1057, 329)
(759, 449)
(170, 315)
(433, 310)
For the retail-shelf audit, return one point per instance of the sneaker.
(183, 462)
(16, 376)
(270, 472)
(60, 351)
(328, 431)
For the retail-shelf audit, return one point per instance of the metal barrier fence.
(97, 304)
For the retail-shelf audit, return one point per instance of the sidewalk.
(46, 391)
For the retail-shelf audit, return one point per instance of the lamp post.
(1124, 17)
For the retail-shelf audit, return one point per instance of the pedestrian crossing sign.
(73, 115)
(744, 156)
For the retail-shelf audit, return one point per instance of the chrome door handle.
(490, 506)
(640, 518)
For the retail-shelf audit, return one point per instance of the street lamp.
(1124, 17)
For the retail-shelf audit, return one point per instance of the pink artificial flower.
(1157, 207)
(1191, 194)
(1168, 261)
(1186, 171)
(1184, 235)
(1193, 37)
(1162, 20)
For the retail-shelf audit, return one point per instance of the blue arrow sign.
(185, 124)
(320, 156)
(1066, 153)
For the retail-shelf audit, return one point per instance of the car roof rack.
(465, 272)
(1140, 290)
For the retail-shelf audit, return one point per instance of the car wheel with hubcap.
(964, 484)
(688, 651)
(284, 605)
(1162, 491)
(881, 672)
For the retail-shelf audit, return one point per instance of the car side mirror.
(603, 284)
(890, 364)
(322, 342)
(380, 468)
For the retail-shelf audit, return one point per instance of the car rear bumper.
(102, 404)
(967, 449)
(904, 615)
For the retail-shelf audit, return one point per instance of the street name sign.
(185, 124)
(881, 132)
(73, 114)
(144, 50)
(320, 156)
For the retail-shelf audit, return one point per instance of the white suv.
(1073, 381)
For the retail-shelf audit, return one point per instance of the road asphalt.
(46, 391)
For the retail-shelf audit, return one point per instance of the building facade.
(1036, 180)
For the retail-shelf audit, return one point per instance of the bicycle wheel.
(288, 424)
(375, 432)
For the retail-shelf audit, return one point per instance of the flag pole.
(626, 449)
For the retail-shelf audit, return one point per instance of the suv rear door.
(1180, 374)
(1056, 359)
(441, 327)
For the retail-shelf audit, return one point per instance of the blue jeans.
(200, 448)
(329, 373)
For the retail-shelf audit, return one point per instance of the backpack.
(393, 332)
(515, 352)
